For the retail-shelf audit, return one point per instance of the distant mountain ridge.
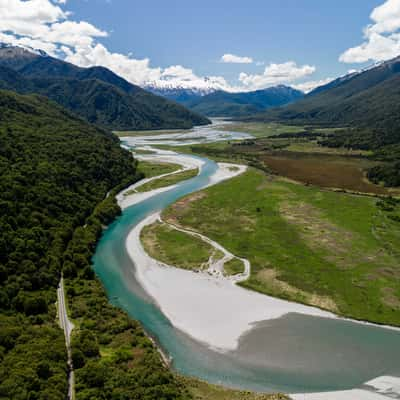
(370, 98)
(96, 94)
(226, 104)
(178, 93)
(367, 104)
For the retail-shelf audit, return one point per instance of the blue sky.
(197, 34)
(141, 40)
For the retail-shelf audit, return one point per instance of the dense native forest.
(96, 94)
(56, 171)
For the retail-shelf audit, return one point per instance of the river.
(294, 353)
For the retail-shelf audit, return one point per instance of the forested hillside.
(224, 104)
(96, 94)
(55, 170)
(367, 104)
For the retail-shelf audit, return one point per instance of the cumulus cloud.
(311, 85)
(135, 71)
(43, 24)
(275, 74)
(46, 25)
(233, 59)
(381, 38)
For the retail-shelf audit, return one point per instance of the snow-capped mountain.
(184, 90)
(178, 93)
(22, 49)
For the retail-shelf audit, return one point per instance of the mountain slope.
(96, 94)
(224, 104)
(367, 99)
(368, 104)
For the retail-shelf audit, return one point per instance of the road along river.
(293, 348)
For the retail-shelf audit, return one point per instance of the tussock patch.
(172, 214)
(270, 278)
(321, 234)
(390, 299)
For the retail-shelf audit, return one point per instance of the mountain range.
(214, 102)
(368, 99)
(179, 93)
(96, 93)
(366, 104)
(226, 104)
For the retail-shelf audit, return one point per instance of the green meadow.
(336, 251)
(168, 180)
(176, 248)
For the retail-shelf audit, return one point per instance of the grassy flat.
(151, 169)
(312, 146)
(233, 267)
(201, 390)
(333, 250)
(303, 160)
(175, 248)
(260, 129)
(331, 171)
(168, 180)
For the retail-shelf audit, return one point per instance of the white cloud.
(43, 24)
(46, 25)
(73, 33)
(24, 41)
(311, 85)
(233, 59)
(275, 74)
(381, 38)
(135, 71)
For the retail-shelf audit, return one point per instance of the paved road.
(67, 326)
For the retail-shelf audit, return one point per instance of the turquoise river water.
(295, 353)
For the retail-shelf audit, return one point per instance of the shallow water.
(197, 135)
(295, 353)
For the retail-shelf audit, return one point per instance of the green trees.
(54, 170)
(96, 94)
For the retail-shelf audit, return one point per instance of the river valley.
(293, 352)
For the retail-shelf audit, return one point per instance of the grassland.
(200, 390)
(168, 180)
(151, 169)
(233, 267)
(176, 248)
(259, 129)
(294, 152)
(312, 146)
(333, 250)
(330, 171)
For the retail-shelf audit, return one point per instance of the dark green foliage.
(96, 94)
(389, 174)
(112, 357)
(54, 170)
(224, 104)
(34, 358)
(128, 366)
